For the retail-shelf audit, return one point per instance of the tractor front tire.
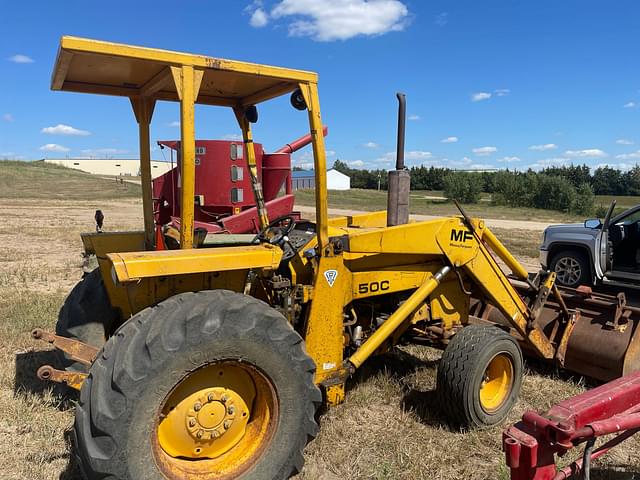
(207, 385)
(479, 377)
(87, 316)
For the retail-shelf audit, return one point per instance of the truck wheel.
(86, 315)
(205, 385)
(479, 376)
(572, 269)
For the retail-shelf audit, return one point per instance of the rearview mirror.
(592, 223)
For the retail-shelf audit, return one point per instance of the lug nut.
(231, 410)
(224, 398)
(197, 406)
(211, 397)
(200, 433)
(226, 424)
(215, 434)
(192, 422)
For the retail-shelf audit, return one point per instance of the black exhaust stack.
(399, 179)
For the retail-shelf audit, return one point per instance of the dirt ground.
(389, 427)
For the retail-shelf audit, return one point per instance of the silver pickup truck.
(595, 252)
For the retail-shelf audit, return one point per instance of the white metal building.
(336, 180)
(111, 166)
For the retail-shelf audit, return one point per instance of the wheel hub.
(212, 413)
(207, 421)
(497, 383)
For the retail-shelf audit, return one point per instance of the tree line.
(567, 188)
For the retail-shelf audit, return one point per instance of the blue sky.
(495, 84)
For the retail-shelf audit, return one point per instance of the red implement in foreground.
(530, 445)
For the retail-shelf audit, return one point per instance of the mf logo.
(331, 276)
(460, 235)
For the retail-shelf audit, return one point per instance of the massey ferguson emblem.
(331, 276)
(460, 235)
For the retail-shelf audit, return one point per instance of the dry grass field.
(389, 427)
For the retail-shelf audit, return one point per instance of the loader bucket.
(605, 341)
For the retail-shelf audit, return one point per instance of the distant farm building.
(306, 179)
(111, 166)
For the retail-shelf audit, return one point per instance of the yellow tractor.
(217, 356)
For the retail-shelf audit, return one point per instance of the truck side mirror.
(592, 223)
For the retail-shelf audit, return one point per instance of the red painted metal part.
(247, 220)
(223, 189)
(532, 444)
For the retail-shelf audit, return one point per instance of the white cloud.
(416, 155)
(341, 19)
(508, 159)
(11, 156)
(449, 140)
(624, 141)
(618, 166)
(356, 163)
(259, 18)
(104, 151)
(54, 147)
(629, 156)
(371, 145)
(7, 117)
(551, 162)
(479, 96)
(464, 161)
(305, 165)
(175, 123)
(387, 158)
(501, 92)
(481, 166)
(235, 137)
(543, 147)
(62, 129)
(330, 153)
(630, 105)
(20, 59)
(586, 153)
(414, 117)
(442, 19)
(484, 151)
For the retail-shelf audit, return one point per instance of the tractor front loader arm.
(466, 246)
(489, 277)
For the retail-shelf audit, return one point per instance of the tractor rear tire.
(479, 377)
(155, 363)
(87, 316)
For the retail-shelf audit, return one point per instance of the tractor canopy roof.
(93, 66)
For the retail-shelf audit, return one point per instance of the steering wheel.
(276, 232)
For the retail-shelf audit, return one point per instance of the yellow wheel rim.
(497, 383)
(215, 422)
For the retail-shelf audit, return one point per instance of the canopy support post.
(310, 94)
(143, 110)
(187, 81)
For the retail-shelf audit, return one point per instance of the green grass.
(420, 203)
(368, 200)
(622, 202)
(33, 180)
